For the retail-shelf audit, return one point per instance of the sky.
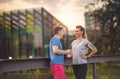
(69, 12)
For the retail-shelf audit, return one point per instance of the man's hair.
(57, 29)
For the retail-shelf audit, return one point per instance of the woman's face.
(78, 32)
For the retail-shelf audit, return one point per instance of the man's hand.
(68, 51)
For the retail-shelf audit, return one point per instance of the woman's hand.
(83, 56)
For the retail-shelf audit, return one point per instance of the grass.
(102, 73)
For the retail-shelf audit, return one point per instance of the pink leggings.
(58, 71)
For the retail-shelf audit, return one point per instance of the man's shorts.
(58, 71)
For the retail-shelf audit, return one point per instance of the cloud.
(15, 5)
(70, 12)
(50, 4)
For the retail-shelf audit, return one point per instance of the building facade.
(26, 33)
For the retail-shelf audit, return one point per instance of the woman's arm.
(93, 52)
(71, 53)
(93, 48)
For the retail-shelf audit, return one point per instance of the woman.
(79, 51)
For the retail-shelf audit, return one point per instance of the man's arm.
(58, 51)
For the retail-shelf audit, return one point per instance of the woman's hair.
(57, 29)
(84, 35)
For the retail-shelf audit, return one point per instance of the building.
(26, 33)
(90, 22)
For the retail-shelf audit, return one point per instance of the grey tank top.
(77, 50)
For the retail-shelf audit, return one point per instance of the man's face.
(61, 34)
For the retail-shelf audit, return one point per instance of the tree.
(108, 16)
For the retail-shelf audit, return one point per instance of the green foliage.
(109, 70)
(108, 17)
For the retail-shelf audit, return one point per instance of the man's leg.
(58, 71)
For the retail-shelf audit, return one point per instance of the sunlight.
(70, 15)
(68, 12)
(71, 19)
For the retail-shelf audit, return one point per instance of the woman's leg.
(83, 71)
(76, 71)
(80, 71)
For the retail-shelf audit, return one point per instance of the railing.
(12, 65)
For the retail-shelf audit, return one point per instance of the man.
(57, 55)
